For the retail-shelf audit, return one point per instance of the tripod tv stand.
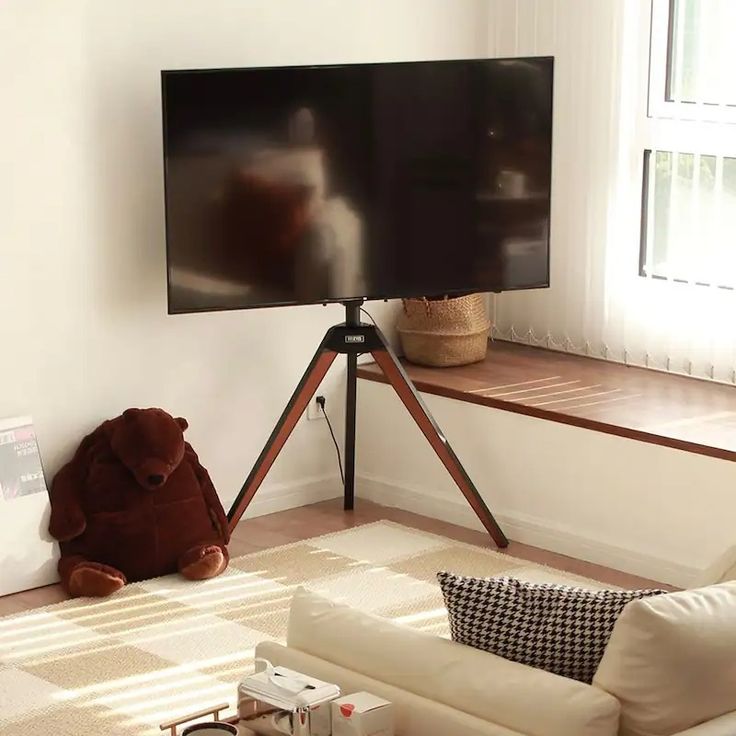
(351, 339)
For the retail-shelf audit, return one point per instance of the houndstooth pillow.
(557, 628)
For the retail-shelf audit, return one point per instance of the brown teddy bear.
(135, 503)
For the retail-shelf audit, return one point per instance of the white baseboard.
(283, 496)
(530, 530)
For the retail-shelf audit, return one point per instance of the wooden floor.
(650, 406)
(294, 525)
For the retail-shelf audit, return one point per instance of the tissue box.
(362, 714)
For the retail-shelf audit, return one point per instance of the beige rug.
(167, 647)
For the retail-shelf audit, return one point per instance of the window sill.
(662, 409)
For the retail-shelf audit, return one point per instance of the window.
(690, 218)
(689, 193)
(692, 60)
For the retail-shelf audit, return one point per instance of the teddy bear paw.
(201, 563)
(93, 579)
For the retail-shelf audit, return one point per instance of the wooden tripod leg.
(301, 397)
(403, 386)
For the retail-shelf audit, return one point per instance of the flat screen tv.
(299, 185)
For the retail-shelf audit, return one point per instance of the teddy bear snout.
(153, 474)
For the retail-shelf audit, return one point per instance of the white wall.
(649, 510)
(84, 330)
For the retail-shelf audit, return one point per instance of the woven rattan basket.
(444, 332)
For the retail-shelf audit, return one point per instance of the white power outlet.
(314, 410)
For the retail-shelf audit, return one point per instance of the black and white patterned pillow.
(557, 628)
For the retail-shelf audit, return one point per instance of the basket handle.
(424, 300)
(214, 712)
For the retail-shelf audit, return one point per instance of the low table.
(174, 726)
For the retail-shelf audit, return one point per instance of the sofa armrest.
(671, 660)
(512, 695)
(415, 716)
(724, 725)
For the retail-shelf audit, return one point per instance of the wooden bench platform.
(664, 409)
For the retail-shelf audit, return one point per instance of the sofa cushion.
(557, 628)
(671, 660)
(472, 681)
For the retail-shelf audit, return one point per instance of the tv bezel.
(362, 298)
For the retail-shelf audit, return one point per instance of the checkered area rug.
(163, 648)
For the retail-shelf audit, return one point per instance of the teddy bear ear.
(130, 413)
(183, 423)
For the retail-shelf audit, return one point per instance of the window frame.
(646, 215)
(660, 55)
(674, 127)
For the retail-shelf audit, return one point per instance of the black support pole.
(352, 319)
(350, 400)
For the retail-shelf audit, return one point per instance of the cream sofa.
(669, 668)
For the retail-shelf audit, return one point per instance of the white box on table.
(362, 714)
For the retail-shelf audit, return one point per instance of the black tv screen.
(298, 185)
